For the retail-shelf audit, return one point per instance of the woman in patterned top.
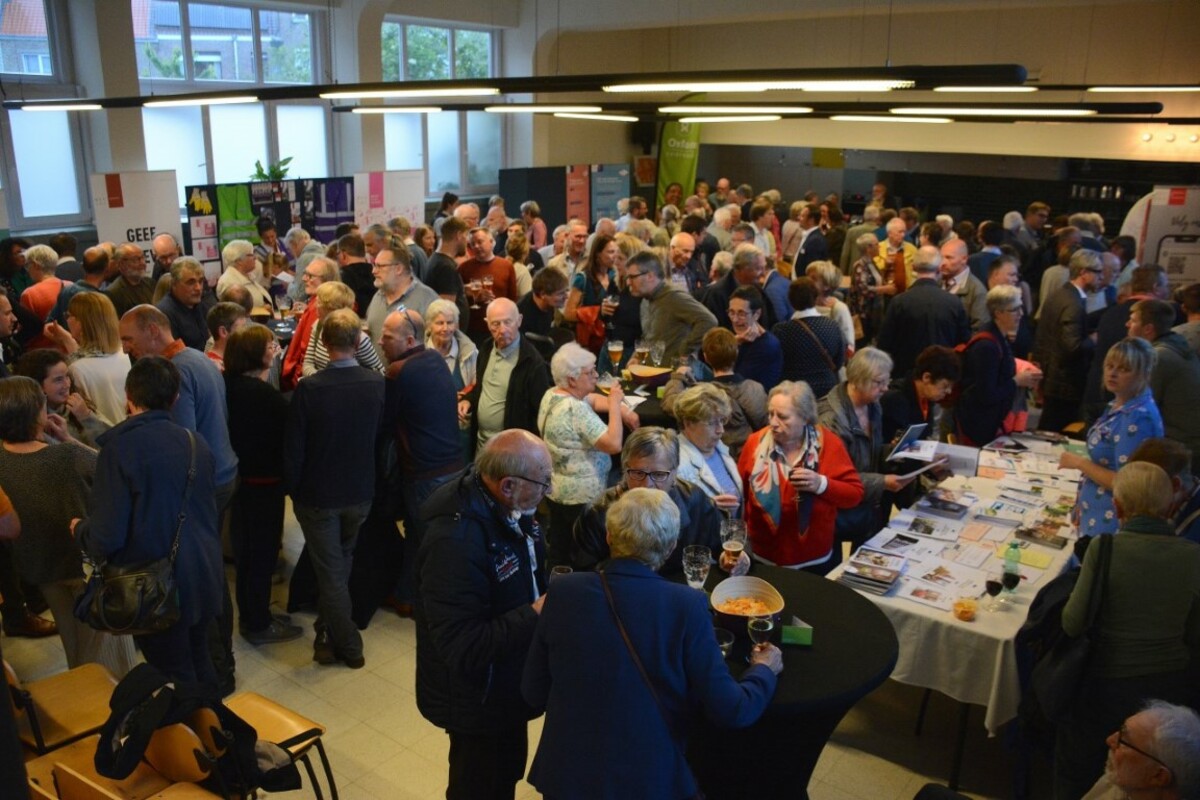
(1130, 419)
(813, 347)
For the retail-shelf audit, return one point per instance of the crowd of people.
(463, 380)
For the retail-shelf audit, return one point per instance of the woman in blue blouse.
(1130, 419)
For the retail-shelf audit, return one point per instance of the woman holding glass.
(595, 282)
(620, 310)
(581, 443)
(704, 459)
(1130, 419)
(591, 724)
(796, 475)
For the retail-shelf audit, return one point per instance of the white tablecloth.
(973, 662)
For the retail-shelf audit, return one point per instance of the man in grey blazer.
(958, 280)
(1062, 348)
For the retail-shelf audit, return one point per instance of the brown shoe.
(31, 627)
(402, 609)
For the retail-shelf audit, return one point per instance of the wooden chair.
(61, 709)
(38, 792)
(79, 756)
(295, 733)
(73, 785)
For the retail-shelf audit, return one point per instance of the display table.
(854, 650)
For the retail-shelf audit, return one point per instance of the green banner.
(678, 153)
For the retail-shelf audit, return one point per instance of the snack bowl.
(753, 588)
(649, 376)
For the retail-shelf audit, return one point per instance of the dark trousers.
(1058, 413)
(487, 767)
(181, 652)
(12, 605)
(561, 533)
(12, 761)
(329, 537)
(256, 530)
(415, 494)
(220, 634)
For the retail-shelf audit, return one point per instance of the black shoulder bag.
(137, 598)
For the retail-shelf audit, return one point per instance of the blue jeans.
(415, 494)
(329, 536)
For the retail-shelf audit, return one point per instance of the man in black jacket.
(511, 378)
(921, 316)
(480, 587)
(1062, 347)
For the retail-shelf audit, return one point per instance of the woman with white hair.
(828, 279)
(867, 277)
(458, 351)
(581, 444)
(610, 624)
(240, 266)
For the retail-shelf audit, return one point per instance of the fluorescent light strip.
(601, 117)
(689, 109)
(200, 101)
(396, 110)
(518, 108)
(762, 86)
(971, 111)
(991, 89)
(882, 118)
(469, 91)
(734, 118)
(64, 107)
(1155, 89)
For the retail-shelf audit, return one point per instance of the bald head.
(954, 257)
(926, 261)
(402, 331)
(145, 331)
(682, 247)
(503, 321)
(515, 467)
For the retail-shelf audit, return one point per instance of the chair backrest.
(207, 726)
(72, 785)
(39, 792)
(177, 754)
(14, 689)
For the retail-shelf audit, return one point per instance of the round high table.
(854, 650)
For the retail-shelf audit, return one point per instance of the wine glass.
(475, 287)
(657, 351)
(488, 283)
(760, 629)
(993, 584)
(559, 571)
(697, 560)
(1011, 580)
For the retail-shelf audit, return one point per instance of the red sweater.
(293, 359)
(787, 545)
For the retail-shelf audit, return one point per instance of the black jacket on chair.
(530, 380)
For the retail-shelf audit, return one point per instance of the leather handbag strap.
(187, 494)
(824, 353)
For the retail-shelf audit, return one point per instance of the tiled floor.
(382, 749)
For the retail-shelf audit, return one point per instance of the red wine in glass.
(993, 588)
(1012, 580)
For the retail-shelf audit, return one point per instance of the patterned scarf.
(770, 470)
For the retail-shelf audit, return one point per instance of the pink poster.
(375, 189)
(578, 192)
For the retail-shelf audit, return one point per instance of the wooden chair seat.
(279, 724)
(63, 708)
(74, 785)
(79, 756)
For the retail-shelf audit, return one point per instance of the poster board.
(1170, 235)
(381, 196)
(135, 207)
(578, 194)
(610, 182)
(678, 155)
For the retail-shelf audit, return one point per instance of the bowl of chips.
(737, 599)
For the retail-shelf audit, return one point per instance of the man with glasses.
(480, 587)
(319, 270)
(649, 460)
(397, 287)
(1155, 754)
(669, 315)
(132, 287)
(749, 267)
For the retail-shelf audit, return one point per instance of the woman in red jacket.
(796, 475)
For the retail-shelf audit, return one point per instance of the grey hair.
(701, 403)
(723, 262)
(927, 259)
(829, 275)
(945, 220)
(235, 250)
(1013, 220)
(901, 226)
(1136, 355)
(559, 229)
(439, 307)
(670, 213)
(1176, 743)
(721, 216)
(332, 273)
(867, 365)
(44, 256)
(1083, 260)
(296, 235)
(745, 255)
(568, 362)
(650, 441)
(871, 214)
(644, 525)
(498, 459)
(184, 263)
(1143, 488)
(1002, 297)
(866, 240)
(531, 207)
(1082, 220)
(801, 394)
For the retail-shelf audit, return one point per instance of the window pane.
(24, 45)
(222, 44)
(444, 170)
(402, 141)
(302, 138)
(45, 162)
(483, 148)
(239, 138)
(472, 54)
(286, 46)
(158, 39)
(390, 35)
(428, 53)
(175, 140)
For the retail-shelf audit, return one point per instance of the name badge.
(507, 565)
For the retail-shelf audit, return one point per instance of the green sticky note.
(797, 634)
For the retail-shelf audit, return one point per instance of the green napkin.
(798, 633)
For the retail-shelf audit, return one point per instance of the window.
(45, 159)
(175, 140)
(286, 47)
(158, 38)
(239, 138)
(302, 138)
(459, 151)
(24, 41)
(223, 41)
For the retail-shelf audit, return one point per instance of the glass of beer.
(616, 351)
(641, 351)
(733, 537)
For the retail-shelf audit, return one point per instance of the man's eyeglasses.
(655, 476)
(545, 486)
(1123, 742)
(632, 275)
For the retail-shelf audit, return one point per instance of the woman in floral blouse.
(1130, 419)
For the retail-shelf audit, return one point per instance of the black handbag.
(1056, 678)
(141, 598)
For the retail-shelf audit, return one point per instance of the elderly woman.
(990, 379)
(97, 364)
(49, 368)
(581, 444)
(257, 412)
(593, 626)
(913, 400)
(747, 398)
(792, 234)
(760, 355)
(852, 411)
(704, 459)
(330, 297)
(814, 348)
(1127, 421)
(796, 475)
(867, 276)
(459, 352)
(242, 269)
(1147, 631)
(828, 278)
(650, 460)
(49, 485)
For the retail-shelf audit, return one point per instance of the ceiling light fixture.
(698, 109)
(883, 118)
(64, 107)
(396, 110)
(983, 89)
(1154, 89)
(734, 118)
(535, 108)
(763, 86)
(458, 91)
(601, 117)
(201, 101)
(998, 111)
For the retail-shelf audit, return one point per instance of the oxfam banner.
(678, 153)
